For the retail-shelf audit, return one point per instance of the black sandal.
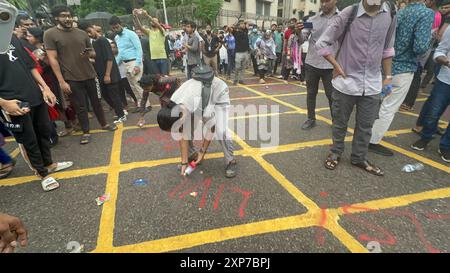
(370, 168)
(332, 162)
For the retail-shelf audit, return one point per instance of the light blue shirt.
(129, 47)
(444, 50)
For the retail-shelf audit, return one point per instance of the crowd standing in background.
(372, 56)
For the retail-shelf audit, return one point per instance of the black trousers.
(313, 77)
(277, 62)
(255, 65)
(125, 87)
(413, 91)
(80, 92)
(110, 92)
(35, 137)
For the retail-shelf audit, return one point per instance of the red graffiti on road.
(387, 236)
(184, 189)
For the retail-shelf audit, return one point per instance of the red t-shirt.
(287, 34)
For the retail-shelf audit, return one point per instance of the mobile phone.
(8, 14)
(308, 25)
(24, 105)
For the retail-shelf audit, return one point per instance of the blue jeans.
(4, 157)
(438, 103)
(231, 61)
(160, 66)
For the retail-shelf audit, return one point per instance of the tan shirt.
(69, 45)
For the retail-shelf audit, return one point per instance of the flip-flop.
(370, 168)
(49, 184)
(61, 166)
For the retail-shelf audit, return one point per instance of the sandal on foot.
(370, 168)
(61, 166)
(332, 162)
(49, 184)
(85, 139)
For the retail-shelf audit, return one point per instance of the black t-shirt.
(242, 41)
(26, 44)
(104, 54)
(210, 47)
(16, 81)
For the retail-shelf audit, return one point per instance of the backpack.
(352, 17)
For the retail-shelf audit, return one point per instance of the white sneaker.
(125, 112)
(120, 120)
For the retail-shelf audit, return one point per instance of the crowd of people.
(370, 56)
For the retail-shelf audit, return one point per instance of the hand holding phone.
(308, 25)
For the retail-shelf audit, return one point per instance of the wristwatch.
(389, 77)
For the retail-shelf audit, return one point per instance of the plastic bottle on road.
(413, 167)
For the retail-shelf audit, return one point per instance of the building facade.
(271, 11)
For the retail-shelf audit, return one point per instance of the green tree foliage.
(207, 10)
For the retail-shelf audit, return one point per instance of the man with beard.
(69, 50)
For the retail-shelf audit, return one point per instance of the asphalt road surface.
(283, 199)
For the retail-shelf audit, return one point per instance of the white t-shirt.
(223, 53)
(190, 95)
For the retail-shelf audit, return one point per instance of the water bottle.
(413, 167)
(190, 168)
(387, 90)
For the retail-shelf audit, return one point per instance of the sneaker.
(420, 145)
(235, 83)
(125, 112)
(379, 149)
(279, 77)
(242, 82)
(445, 154)
(110, 128)
(309, 124)
(262, 81)
(120, 120)
(231, 169)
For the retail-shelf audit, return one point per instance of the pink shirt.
(437, 20)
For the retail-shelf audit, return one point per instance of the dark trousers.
(81, 91)
(413, 92)
(125, 87)
(254, 63)
(313, 77)
(262, 73)
(35, 137)
(110, 92)
(367, 109)
(277, 62)
(437, 103)
(430, 67)
(4, 157)
(231, 61)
